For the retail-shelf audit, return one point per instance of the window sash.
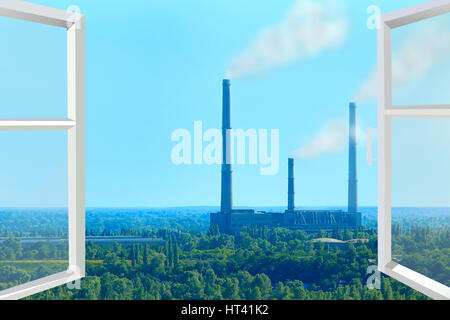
(74, 124)
(386, 112)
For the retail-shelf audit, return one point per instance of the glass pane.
(421, 62)
(33, 75)
(33, 206)
(421, 196)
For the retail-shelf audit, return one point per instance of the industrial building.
(231, 220)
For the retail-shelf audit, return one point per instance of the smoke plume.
(333, 138)
(309, 28)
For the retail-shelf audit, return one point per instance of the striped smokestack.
(227, 192)
(352, 172)
(291, 188)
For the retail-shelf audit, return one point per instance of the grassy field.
(31, 266)
(34, 269)
(24, 263)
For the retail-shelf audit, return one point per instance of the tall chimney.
(227, 192)
(352, 172)
(291, 188)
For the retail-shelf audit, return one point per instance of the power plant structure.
(230, 220)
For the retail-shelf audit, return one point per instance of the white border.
(75, 124)
(387, 112)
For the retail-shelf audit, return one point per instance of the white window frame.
(386, 112)
(74, 124)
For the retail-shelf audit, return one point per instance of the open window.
(390, 121)
(69, 134)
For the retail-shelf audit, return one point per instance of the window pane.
(421, 63)
(421, 196)
(33, 206)
(33, 75)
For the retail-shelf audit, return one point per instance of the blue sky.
(156, 66)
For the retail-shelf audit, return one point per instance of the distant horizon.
(217, 207)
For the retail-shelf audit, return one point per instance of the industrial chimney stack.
(291, 188)
(227, 192)
(352, 172)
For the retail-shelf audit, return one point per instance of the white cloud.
(419, 53)
(309, 28)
